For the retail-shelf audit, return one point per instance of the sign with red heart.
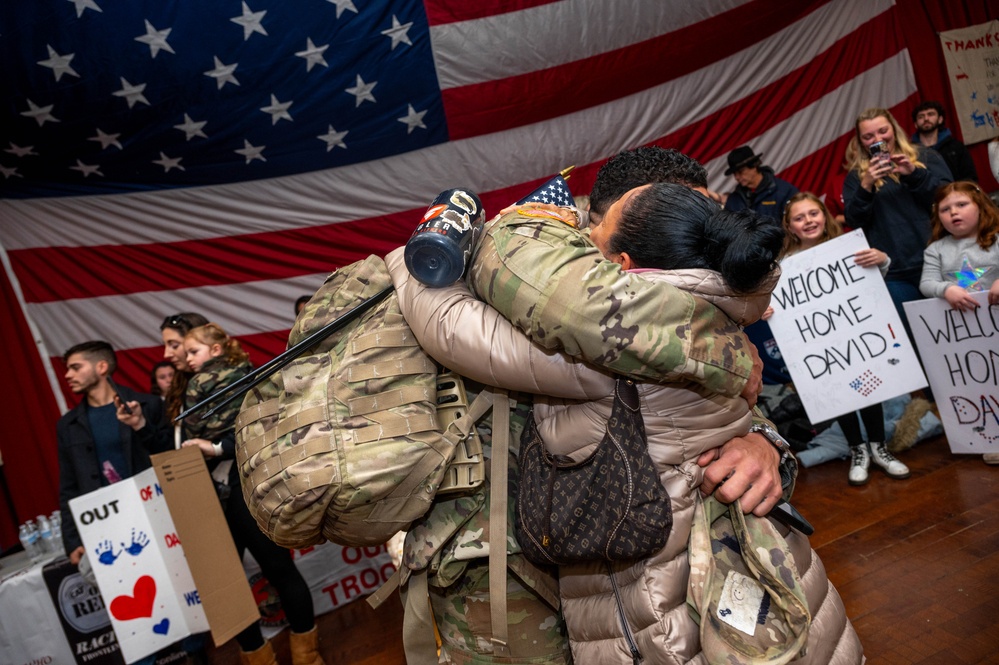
(139, 604)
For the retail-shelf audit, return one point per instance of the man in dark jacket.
(758, 189)
(930, 131)
(95, 449)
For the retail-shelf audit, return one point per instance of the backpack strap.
(419, 636)
(419, 630)
(499, 490)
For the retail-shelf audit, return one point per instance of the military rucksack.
(347, 442)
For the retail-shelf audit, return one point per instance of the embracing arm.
(471, 338)
(552, 283)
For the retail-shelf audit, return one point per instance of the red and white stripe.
(527, 91)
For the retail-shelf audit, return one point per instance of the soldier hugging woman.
(663, 305)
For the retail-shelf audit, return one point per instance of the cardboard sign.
(960, 352)
(972, 57)
(839, 333)
(211, 556)
(139, 564)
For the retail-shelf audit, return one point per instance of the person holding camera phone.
(888, 193)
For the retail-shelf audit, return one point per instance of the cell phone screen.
(114, 388)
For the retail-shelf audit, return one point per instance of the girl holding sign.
(807, 224)
(964, 255)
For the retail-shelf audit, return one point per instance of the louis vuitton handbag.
(610, 506)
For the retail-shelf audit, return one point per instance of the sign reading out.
(839, 332)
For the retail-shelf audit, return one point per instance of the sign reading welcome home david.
(838, 331)
(960, 352)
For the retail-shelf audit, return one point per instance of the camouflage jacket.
(451, 542)
(214, 375)
(552, 283)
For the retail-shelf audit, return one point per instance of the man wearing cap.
(758, 189)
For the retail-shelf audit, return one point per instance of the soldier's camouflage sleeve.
(550, 281)
(214, 376)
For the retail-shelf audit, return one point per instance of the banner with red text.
(336, 576)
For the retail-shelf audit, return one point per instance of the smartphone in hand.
(879, 151)
(114, 389)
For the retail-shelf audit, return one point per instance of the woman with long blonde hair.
(888, 193)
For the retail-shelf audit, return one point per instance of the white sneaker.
(860, 462)
(888, 463)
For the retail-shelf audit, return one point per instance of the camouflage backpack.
(346, 442)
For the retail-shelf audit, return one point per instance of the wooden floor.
(916, 561)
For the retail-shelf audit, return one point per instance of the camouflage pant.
(537, 632)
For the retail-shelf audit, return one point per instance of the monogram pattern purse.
(610, 506)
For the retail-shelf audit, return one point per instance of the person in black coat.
(757, 188)
(95, 449)
(928, 118)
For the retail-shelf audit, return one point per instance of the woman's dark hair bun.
(743, 246)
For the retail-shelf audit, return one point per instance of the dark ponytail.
(671, 227)
(745, 247)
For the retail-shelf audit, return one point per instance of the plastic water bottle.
(29, 536)
(55, 519)
(438, 251)
(45, 531)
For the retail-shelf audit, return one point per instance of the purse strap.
(626, 392)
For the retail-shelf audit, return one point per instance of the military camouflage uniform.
(550, 281)
(214, 375)
(451, 544)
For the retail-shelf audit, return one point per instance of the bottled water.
(55, 519)
(45, 531)
(30, 538)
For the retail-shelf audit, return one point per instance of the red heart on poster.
(139, 604)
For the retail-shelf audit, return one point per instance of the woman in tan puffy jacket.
(669, 226)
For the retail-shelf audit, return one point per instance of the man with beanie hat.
(758, 189)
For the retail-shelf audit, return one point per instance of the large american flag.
(222, 157)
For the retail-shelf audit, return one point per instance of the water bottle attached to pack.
(440, 247)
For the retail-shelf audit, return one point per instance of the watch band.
(788, 464)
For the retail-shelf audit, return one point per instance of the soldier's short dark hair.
(302, 300)
(641, 166)
(926, 106)
(94, 351)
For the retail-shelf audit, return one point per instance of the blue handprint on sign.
(139, 542)
(105, 553)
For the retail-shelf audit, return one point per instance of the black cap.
(742, 156)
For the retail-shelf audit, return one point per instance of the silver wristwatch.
(788, 463)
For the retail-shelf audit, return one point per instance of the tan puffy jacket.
(682, 421)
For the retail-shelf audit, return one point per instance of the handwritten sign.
(839, 332)
(139, 564)
(972, 57)
(960, 353)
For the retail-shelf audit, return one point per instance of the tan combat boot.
(305, 648)
(262, 656)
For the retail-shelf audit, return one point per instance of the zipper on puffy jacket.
(636, 655)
